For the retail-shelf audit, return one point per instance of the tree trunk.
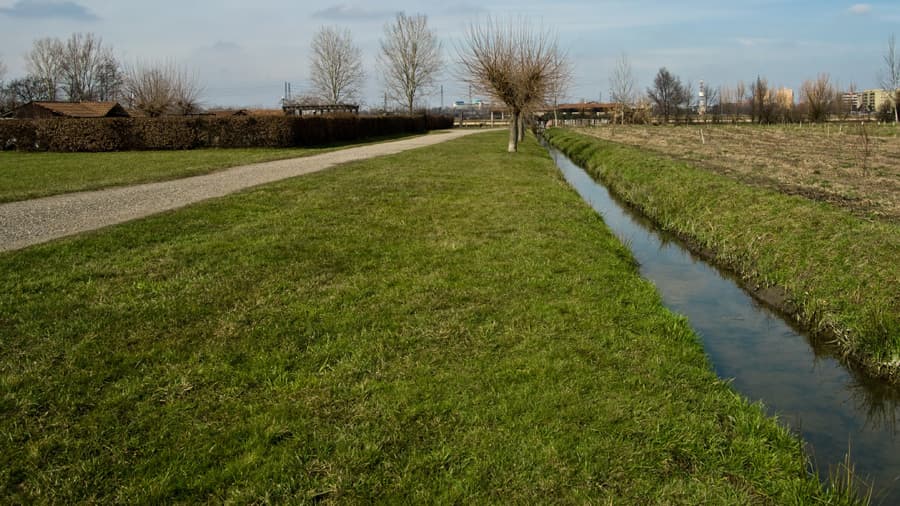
(514, 132)
(521, 129)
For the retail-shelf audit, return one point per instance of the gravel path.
(40, 220)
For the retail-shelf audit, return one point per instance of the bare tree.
(336, 67)
(819, 95)
(89, 71)
(109, 79)
(846, 103)
(667, 93)
(516, 65)
(27, 89)
(162, 88)
(890, 76)
(740, 95)
(410, 59)
(687, 103)
(45, 63)
(622, 86)
(2, 70)
(762, 104)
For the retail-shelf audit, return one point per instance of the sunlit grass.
(451, 324)
(31, 175)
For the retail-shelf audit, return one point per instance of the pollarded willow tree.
(515, 64)
(410, 59)
(336, 67)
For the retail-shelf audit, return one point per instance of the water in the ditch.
(835, 410)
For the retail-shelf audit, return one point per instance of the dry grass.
(822, 163)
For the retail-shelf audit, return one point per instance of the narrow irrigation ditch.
(837, 411)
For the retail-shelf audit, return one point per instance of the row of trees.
(820, 98)
(511, 62)
(83, 68)
(409, 62)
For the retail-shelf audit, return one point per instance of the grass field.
(839, 271)
(827, 163)
(32, 175)
(452, 324)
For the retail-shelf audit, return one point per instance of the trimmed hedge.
(126, 134)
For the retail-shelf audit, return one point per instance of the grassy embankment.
(32, 175)
(451, 324)
(839, 272)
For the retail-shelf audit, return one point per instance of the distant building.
(784, 97)
(850, 101)
(873, 100)
(586, 108)
(476, 104)
(45, 110)
(297, 109)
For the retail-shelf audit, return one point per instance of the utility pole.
(442, 98)
(385, 102)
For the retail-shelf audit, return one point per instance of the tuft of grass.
(841, 271)
(26, 175)
(451, 324)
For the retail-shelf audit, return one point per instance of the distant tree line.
(671, 100)
(409, 63)
(83, 68)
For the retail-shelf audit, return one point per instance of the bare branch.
(410, 59)
(514, 64)
(336, 67)
(162, 88)
(667, 93)
(622, 86)
(890, 75)
(45, 63)
(819, 96)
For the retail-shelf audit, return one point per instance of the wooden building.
(294, 109)
(46, 110)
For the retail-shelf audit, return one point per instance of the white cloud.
(860, 9)
(48, 9)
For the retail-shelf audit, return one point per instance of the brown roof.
(80, 109)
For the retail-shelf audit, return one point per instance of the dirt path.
(35, 221)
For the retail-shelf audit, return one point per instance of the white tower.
(701, 99)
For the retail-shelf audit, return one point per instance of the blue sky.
(243, 51)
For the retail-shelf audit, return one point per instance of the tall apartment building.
(851, 100)
(872, 100)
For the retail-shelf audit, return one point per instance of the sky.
(244, 51)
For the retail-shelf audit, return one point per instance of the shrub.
(122, 134)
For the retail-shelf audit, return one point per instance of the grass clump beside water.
(26, 175)
(451, 324)
(840, 272)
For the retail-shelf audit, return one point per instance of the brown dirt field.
(821, 163)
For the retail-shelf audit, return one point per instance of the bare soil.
(828, 164)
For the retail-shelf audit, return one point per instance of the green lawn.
(451, 324)
(839, 271)
(32, 175)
